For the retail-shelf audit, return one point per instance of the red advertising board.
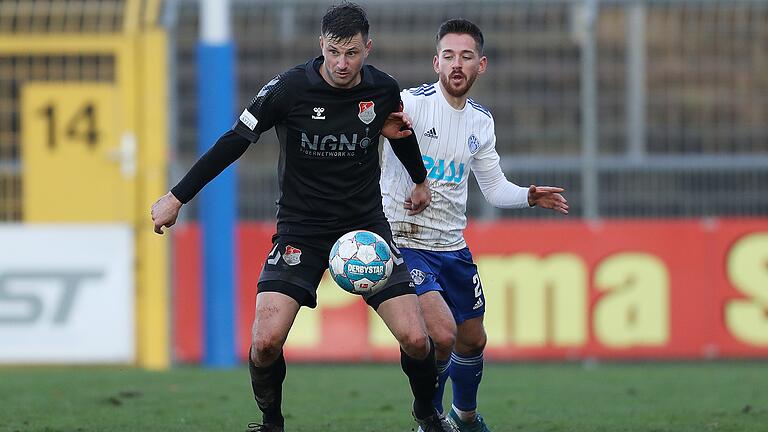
(677, 289)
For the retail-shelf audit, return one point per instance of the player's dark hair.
(461, 26)
(343, 21)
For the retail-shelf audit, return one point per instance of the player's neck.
(455, 102)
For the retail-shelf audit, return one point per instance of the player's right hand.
(165, 211)
(420, 198)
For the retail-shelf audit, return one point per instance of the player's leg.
(275, 313)
(441, 327)
(467, 371)
(288, 281)
(402, 315)
(464, 294)
(398, 307)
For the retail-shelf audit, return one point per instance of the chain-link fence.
(36, 18)
(680, 101)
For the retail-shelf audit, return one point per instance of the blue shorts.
(453, 274)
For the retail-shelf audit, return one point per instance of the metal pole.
(589, 127)
(636, 89)
(218, 207)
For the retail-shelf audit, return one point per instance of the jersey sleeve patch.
(248, 119)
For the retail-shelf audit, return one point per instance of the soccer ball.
(360, 262)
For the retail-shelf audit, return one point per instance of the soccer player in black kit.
(328, 114)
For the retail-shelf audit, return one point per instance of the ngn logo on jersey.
(329, 142)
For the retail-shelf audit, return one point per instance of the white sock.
(465, 416)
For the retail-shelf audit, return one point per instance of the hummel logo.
(478, 305)
(397, 257)
(318, 113)
(274, 257)
(432, 133)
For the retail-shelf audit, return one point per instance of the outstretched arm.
(504, 194)
(227, 149)
(265, 110)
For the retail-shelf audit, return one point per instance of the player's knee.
(479, 344)
(445, 340)
(473, 346)
(265, 350)
(415, 344)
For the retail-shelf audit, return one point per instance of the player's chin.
(458, 90)
(343, 79)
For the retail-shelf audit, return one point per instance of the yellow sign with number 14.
(77, 163)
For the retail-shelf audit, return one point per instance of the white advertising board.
(66, 294)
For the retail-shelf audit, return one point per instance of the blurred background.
(652, 114)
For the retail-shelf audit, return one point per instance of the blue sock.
(466, 373)
(442, 376)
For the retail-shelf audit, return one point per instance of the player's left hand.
(420, 198)
(396, 126)
(548, 197)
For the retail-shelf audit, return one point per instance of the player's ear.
(483, 64)
(368, 46)
(322, 42)
(436, 64)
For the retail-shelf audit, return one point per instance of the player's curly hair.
(461, 26)
(343, 21)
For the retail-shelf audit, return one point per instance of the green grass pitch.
(548, 397)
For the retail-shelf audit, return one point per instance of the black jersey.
(329, 161)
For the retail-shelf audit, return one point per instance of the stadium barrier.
(623, 289)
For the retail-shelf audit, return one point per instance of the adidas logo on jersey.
(432, 133)
(478, 305)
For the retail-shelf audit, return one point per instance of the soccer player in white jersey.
(456, 137)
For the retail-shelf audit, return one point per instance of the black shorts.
(296, 264)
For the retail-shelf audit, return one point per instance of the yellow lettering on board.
(747, 319)
(635, 308)
(533, 301)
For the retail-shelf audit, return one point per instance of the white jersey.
(453, 143)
